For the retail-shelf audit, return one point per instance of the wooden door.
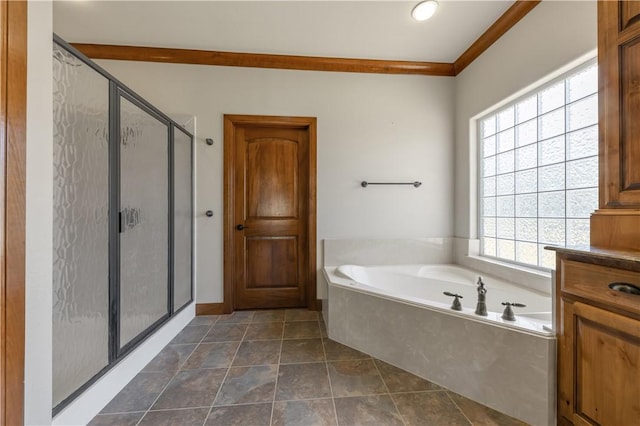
(13, 113)
(270, 215)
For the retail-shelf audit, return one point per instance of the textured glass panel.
(505, 118)
(505, 206)
(551, 97)
(527, 229)
(505, 162)
(489, 166)
(489, 227)
(578, 232)
(547, 257)
(489, 126)
(582, 143)
(489, 246)
(527, 181)
(506, 184)
(551, 124)
(551, 231)
(582, 113)
(489, 146)
(551, 151)
(506, 249)
(527, 205)
(182, 219)
(551, 177)
(506, 140)
(583, 83)
(506, 227)
(144, 238)
(551, 204)
(526, 109)
(526, 157)
(80, 223)
(582, 202)
(489, 186)
(527, 133)
(582, 173)
(489, 206)
(527, 252)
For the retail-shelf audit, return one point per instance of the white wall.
(370, 127)
(39, 216)
(552, 35)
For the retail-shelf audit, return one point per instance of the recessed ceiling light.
(424, 10)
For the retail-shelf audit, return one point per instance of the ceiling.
(355, 29)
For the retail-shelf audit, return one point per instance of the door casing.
(231, 122)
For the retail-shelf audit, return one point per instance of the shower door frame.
(117, 90)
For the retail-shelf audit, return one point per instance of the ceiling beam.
(512, 16)
(257, 60)
(313, 63)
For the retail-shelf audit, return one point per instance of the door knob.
(241, 227)
(209, 213)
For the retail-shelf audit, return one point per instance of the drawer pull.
(625, 288)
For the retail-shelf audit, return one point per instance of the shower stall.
(123, 221)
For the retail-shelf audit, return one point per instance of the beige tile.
(303, 381)
(240, 415)
(314, 412)
(398, 380)
(429, 408)
(481, 415)
(300, 315)
(355, 378)
(301, 330)
(337, 351)
(264, 331)
(269, 315)
(257, 352)
(301, 350)
(187, 417)
(367, 410)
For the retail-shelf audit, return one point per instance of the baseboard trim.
(209, 308)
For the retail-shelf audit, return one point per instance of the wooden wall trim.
(209, 308)
(258, 60)
(508, 19)
(13, 113)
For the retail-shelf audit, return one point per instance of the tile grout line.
(458, 407)
(178, 370)
(275, 388)
(393, 401)
(225, 374)
(326, 366)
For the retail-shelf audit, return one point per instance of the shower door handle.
(241, 227)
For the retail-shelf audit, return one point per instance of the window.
(539, 170)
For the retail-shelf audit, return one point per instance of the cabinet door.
(619, 67)
(599, 367)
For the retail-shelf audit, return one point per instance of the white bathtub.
(399, 314)
(424, 285)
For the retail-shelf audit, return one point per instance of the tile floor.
(278, 367)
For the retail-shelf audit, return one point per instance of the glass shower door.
(182, 213)
(144, 220)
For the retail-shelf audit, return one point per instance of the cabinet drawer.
(592, 282)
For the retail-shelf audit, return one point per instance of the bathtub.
(398, 313)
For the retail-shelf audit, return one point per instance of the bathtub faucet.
(481, 307)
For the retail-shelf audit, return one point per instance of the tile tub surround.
(242, 372)
(510, 371)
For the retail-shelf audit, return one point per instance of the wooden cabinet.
(616, 223)
(599, 339)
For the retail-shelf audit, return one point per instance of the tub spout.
(481, 307)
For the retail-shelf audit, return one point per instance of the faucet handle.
(456, 306)
(508, 314)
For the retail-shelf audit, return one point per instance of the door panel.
(144, 247)
(182, 214)
(271, 180)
